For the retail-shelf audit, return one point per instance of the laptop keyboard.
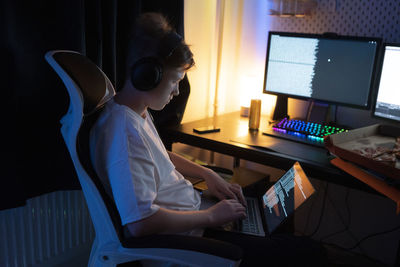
(252, 224)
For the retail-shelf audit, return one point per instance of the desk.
(237, 141)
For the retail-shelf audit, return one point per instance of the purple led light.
(279, 130)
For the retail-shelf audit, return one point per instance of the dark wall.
(35, 158)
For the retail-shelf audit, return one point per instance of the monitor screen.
(331, 69)
(387, 103)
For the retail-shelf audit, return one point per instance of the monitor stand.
(281, 108)
(318, 112)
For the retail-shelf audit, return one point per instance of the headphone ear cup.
(146, 73)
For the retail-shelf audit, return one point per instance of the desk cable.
(303, 233)
(346, 224)
(372, 235)
(358, 242)
(322, 211)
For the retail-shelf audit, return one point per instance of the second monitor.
(387, 101)
(328, 68)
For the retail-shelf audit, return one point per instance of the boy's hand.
(226, 211)
(222, 189)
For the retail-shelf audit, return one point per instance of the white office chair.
(89, 89)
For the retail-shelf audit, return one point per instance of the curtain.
(36, 160)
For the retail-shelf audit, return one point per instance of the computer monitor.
(387, 100)
(326, 68)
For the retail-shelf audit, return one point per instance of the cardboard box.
(375, 147)
(377, 184)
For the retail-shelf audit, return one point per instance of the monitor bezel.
(332, 36)
(378, 81)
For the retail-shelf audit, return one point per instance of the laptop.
(268, 212)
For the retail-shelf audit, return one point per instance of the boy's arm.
(217, 186)
(172, 221)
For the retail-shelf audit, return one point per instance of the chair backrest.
(89, 89)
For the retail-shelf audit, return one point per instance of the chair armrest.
(185, 242)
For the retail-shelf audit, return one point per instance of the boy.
(144, 179)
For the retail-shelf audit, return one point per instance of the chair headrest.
(93, 83)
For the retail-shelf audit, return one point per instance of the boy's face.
(167, 89)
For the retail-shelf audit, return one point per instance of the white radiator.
(47, 227)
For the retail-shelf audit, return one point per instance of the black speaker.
(147, 72)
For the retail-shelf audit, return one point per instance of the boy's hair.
(147, 38)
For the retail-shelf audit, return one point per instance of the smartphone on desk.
(206, 129)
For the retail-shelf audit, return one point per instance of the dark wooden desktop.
(236, 140)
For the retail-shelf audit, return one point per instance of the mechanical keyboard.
(303, 131)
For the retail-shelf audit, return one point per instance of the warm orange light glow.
(243, 129)
(229, 46)
(268, 104)
(249, 90)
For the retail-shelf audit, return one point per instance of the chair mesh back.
(83, 150)
(93, 86)
(86, 75)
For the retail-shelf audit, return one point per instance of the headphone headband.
(147, 72)
(168, 44)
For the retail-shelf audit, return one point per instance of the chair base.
(110, 255)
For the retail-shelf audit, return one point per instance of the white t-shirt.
(130, 159)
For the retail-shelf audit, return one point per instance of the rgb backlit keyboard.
(308, 130)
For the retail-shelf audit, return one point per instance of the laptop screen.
(285, 196)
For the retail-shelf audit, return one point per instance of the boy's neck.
(132, 101)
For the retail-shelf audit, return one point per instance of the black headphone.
(147, 72)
